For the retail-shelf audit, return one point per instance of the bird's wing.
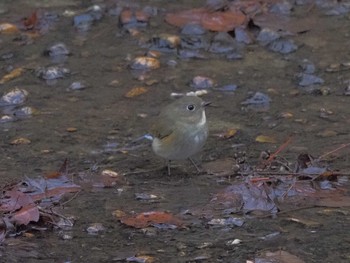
(162, 129)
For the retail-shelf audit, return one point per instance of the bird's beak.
(206, 103)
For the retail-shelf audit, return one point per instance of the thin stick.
(335, 150)
(281, 148)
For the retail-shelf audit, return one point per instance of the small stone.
(58, 49)
(95, 228)
(13, 97)
(145, 63)
(200, 82)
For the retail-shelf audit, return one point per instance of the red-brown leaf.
(148, 218)
(57, 191)
(30, 22)
(14, 200)
(26, 214)
(215, 21)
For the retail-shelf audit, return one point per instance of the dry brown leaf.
(19, 141)
(229, 133)
(12, 75)
(71, 129)
(215, 21)
(7, 28)
(137, 91)
(149, 218)
(26, 215)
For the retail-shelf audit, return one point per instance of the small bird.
(180, 131)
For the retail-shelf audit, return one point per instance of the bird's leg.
(168, 164)
(194, 164)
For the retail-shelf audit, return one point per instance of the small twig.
(333, 151)
(281, 148)
(70, 199)
(291, 210)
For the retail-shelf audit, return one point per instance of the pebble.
(283, 46)
(24, 112)
(95, 228)
(145, 63)
(257, 98)
(201, 82)
(266, 36)
(222, 43)
(309, 79)
(165, 42)
(52, 72)
(13, 97)
(77, 85)
(57, 49)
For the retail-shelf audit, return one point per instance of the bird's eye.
(191, 107)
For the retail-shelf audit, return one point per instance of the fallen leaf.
(30, 22)
(245, 197)
(146, 219)
(12, 75)
(215, 21)
(13, 200)
(228, 134)
(71, 129)
(119, 214)
(26, 214)
(286, 115)
(136, 92)
(56, 192)
(133, 17)
(265, 139)
(8, 28)
(19, 141)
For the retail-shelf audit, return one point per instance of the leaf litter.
(264, 187)
(276, 184)
(33, 201)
